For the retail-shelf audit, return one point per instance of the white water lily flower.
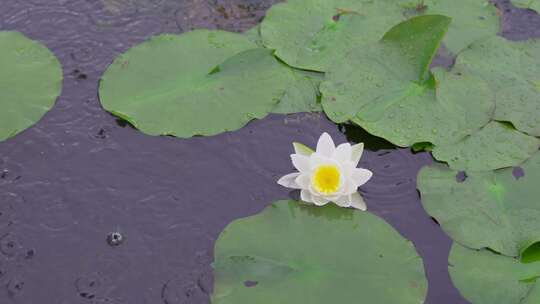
(328, 174)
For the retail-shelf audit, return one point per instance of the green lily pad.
(302, 95)
(495, 146)
(530, 4)
(388, 90)
(292, 253)
(512, 70)
(488, 209)
(312, 34)
(484, 277)
(315, 34)
(533, 296)
(30, 82)
(177, 84)
(472, 20)
(254, 35)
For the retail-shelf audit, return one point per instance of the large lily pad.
(530, 4)
(312, 34)
(178, 85)
(484, 277)
(388, 90)
(512, 70)
(472, 20)
(30, 82)
(488, 209)
(495, 146)
(292, 253)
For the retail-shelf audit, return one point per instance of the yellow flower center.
(326, 179)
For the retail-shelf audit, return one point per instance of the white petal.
(305, 195)
(348, 187)
(357, 201)
(289, 181)
(303, 181)
(302, 149)
(319, 200)
(343, 153)
(300, 162)
(343, 201)
(317, 160)
(325, 145)
(360, 176)
(356, 153)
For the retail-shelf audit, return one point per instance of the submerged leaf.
(488, 209)
(30, 82)
(287, 253)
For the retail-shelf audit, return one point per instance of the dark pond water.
(93, 211)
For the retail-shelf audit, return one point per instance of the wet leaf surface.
(489, 209)
(396, 97)
(495, 146)
(315, 34)
(312, 34)
(512, 70)
(282, 250)
(389, 91)
(472, 20)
